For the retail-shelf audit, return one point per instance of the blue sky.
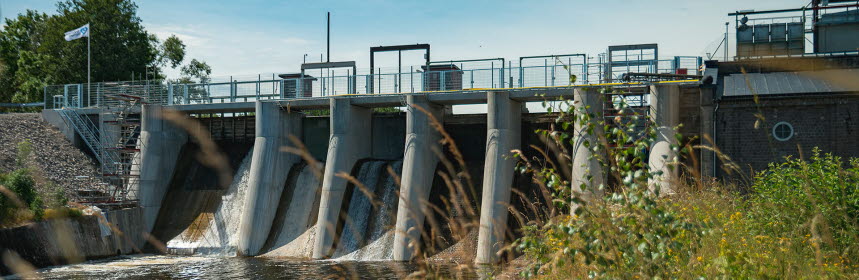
(255, 36)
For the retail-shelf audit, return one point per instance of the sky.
(248, 37)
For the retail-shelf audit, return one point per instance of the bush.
(629, 233)
(62, 212)
(22, 185)
(818, 198)
(798, 222)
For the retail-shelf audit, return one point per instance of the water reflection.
(198, 267)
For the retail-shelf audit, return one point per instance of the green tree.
(22, 36)
(34, 53)
(195, 72)
(120, 45)
(171, 52)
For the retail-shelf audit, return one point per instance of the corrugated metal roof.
(790, 82)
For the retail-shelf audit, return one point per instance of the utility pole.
(726, 40)
(328, 39)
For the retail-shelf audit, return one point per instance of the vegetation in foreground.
(22, 202)
(797, 220)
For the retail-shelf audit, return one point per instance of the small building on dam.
(334, 163)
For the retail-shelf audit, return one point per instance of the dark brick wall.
(825, 121)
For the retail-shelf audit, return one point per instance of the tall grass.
(797, 220)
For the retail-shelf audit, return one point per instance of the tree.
(197, 71)
(22, 36)
(171, 52)
(120, 45)
(34, 53)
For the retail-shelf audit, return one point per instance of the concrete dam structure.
(294, 194)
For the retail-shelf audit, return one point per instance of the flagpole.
(88, 76)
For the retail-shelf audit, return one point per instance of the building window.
(783, 131)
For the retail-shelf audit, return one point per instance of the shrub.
(818, 198)
(628, 233)
(62, 212)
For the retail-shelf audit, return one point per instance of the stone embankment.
(53, 158)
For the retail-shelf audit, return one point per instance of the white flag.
(81, 32)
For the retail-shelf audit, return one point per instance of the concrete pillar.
(269, 169)
(349, 142)
(707, 157)
(665, 111)
(504, 125)
(160, 143)
(587, 170)
(419, 164)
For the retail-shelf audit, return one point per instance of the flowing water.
(218, 234)
(368, 233)
(211, 267)
(363, 252)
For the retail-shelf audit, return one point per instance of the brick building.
(767, 109)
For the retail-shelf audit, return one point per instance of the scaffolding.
(119, 132)
(113, 141)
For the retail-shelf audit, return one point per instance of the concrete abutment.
(160, 143)
(350, 138)
(587, 174)
(665, 111)
(268, 173)
(419, 163)
(504, 123)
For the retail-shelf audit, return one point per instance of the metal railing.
(547, 71)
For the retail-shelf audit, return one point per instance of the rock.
(53, 158)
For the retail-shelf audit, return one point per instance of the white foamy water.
(221, 234)
(375, 224)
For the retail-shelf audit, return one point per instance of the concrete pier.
(665, 110)
(160, 143)
(350, 141)
(269, 169)
(587, 170)
(419, 163)
(504, 124)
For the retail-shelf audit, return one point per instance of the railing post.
(185, 94)
(80, 96)
(472, 78)
(545, 72)
(585, 69)
(442, 85)
(492, 74)
(369, 83)
(45, 98)
(521, 75)
(233, 90)
(412, 78)
(169, 93)
(299, 87)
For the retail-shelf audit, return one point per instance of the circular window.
(782, 131)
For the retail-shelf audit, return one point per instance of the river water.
(202, 267)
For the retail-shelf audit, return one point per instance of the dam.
(306, 172)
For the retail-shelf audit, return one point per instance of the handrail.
(412, 81)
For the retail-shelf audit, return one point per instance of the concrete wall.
(267, 176)
(160, 143)
(350, 141)
(827, 122)
(73, 240)
(504, 128)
